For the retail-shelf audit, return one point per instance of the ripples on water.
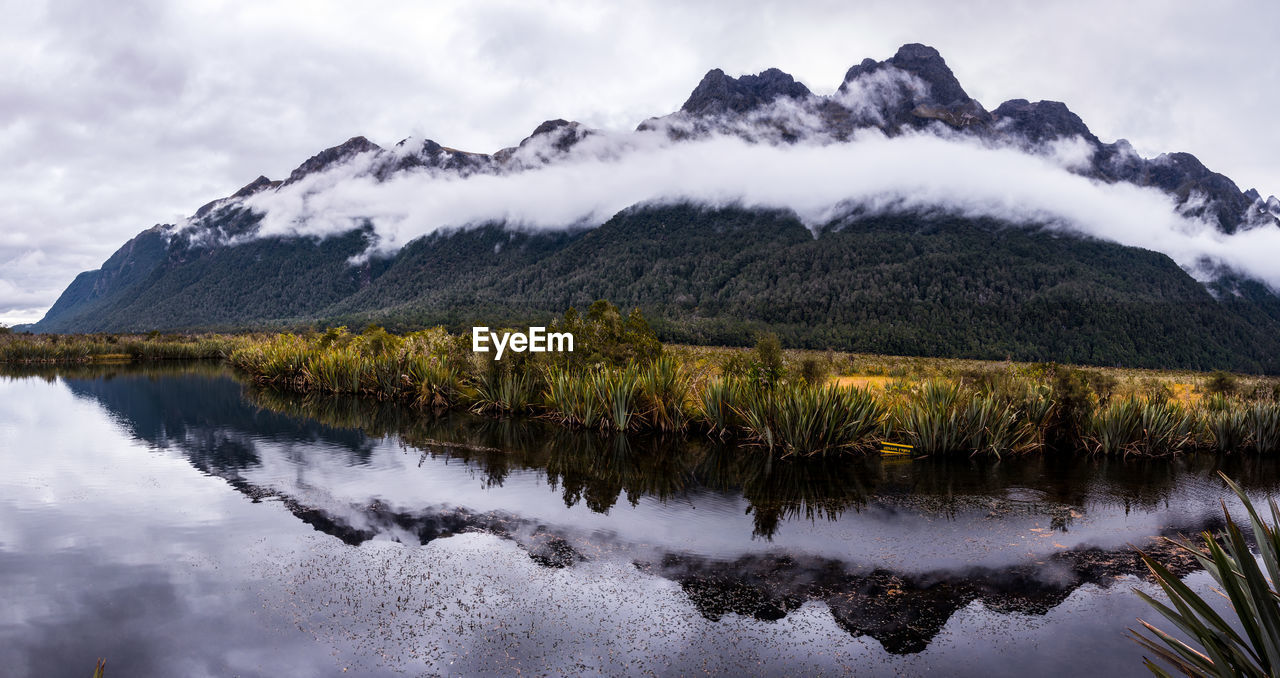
(177, 521)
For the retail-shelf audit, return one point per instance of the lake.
(177, 520)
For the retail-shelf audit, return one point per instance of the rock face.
(928, 65)
(332, 156)
(939, 97)
(1042, 121)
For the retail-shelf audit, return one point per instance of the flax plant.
(1244, 642)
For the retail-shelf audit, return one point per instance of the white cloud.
(608, 173)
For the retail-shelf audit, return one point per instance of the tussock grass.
(803, 419)
(1134, 426)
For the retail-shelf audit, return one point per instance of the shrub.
(617, 391)
(1223, 383)
(1226, 428)
(603, 337)
(813, 371)
(1263, 424)
(664, 388)
(1074, 401)
(1132, 426)
(767, 368)
(503, 392)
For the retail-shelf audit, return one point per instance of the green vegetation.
(1223, 650)
(54, 348)
(942, 417)
(806, 419)
(899, 284)
(1134, 426)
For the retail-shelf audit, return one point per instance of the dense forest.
(903, 284)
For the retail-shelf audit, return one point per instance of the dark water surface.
(179, 522)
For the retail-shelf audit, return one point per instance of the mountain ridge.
(183, 268)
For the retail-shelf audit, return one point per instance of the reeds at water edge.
(783, 415)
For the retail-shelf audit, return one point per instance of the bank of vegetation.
(18, 348)
(623, 380)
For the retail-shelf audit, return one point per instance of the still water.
(178, 521)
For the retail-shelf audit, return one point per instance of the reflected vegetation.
(598, 469)
(229, 428)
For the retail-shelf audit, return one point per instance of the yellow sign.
(895, 449)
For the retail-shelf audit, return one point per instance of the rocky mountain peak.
(550, 126)
(927, 64)
(331, 156)
(255, 186)
(941, 98)
(1042, 120)
(564, 134)
(718, 93)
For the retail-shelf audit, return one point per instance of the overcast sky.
(115, 116)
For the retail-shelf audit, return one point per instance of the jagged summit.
(922, 61)
(259, 184)
(560, 134)
(332, 156)
(549, 126)
(912, 91)
(719, 94)
(1042, 120)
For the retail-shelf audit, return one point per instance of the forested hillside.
(906, 284)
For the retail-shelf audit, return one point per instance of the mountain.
(908, 280)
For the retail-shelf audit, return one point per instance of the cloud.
(818, 181)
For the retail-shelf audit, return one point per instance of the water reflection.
(893, 549)
(597, 469)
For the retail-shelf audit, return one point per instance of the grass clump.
(717, 405)
(942, 417)
(664, 394)
(1135, 426)
(806, 420)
